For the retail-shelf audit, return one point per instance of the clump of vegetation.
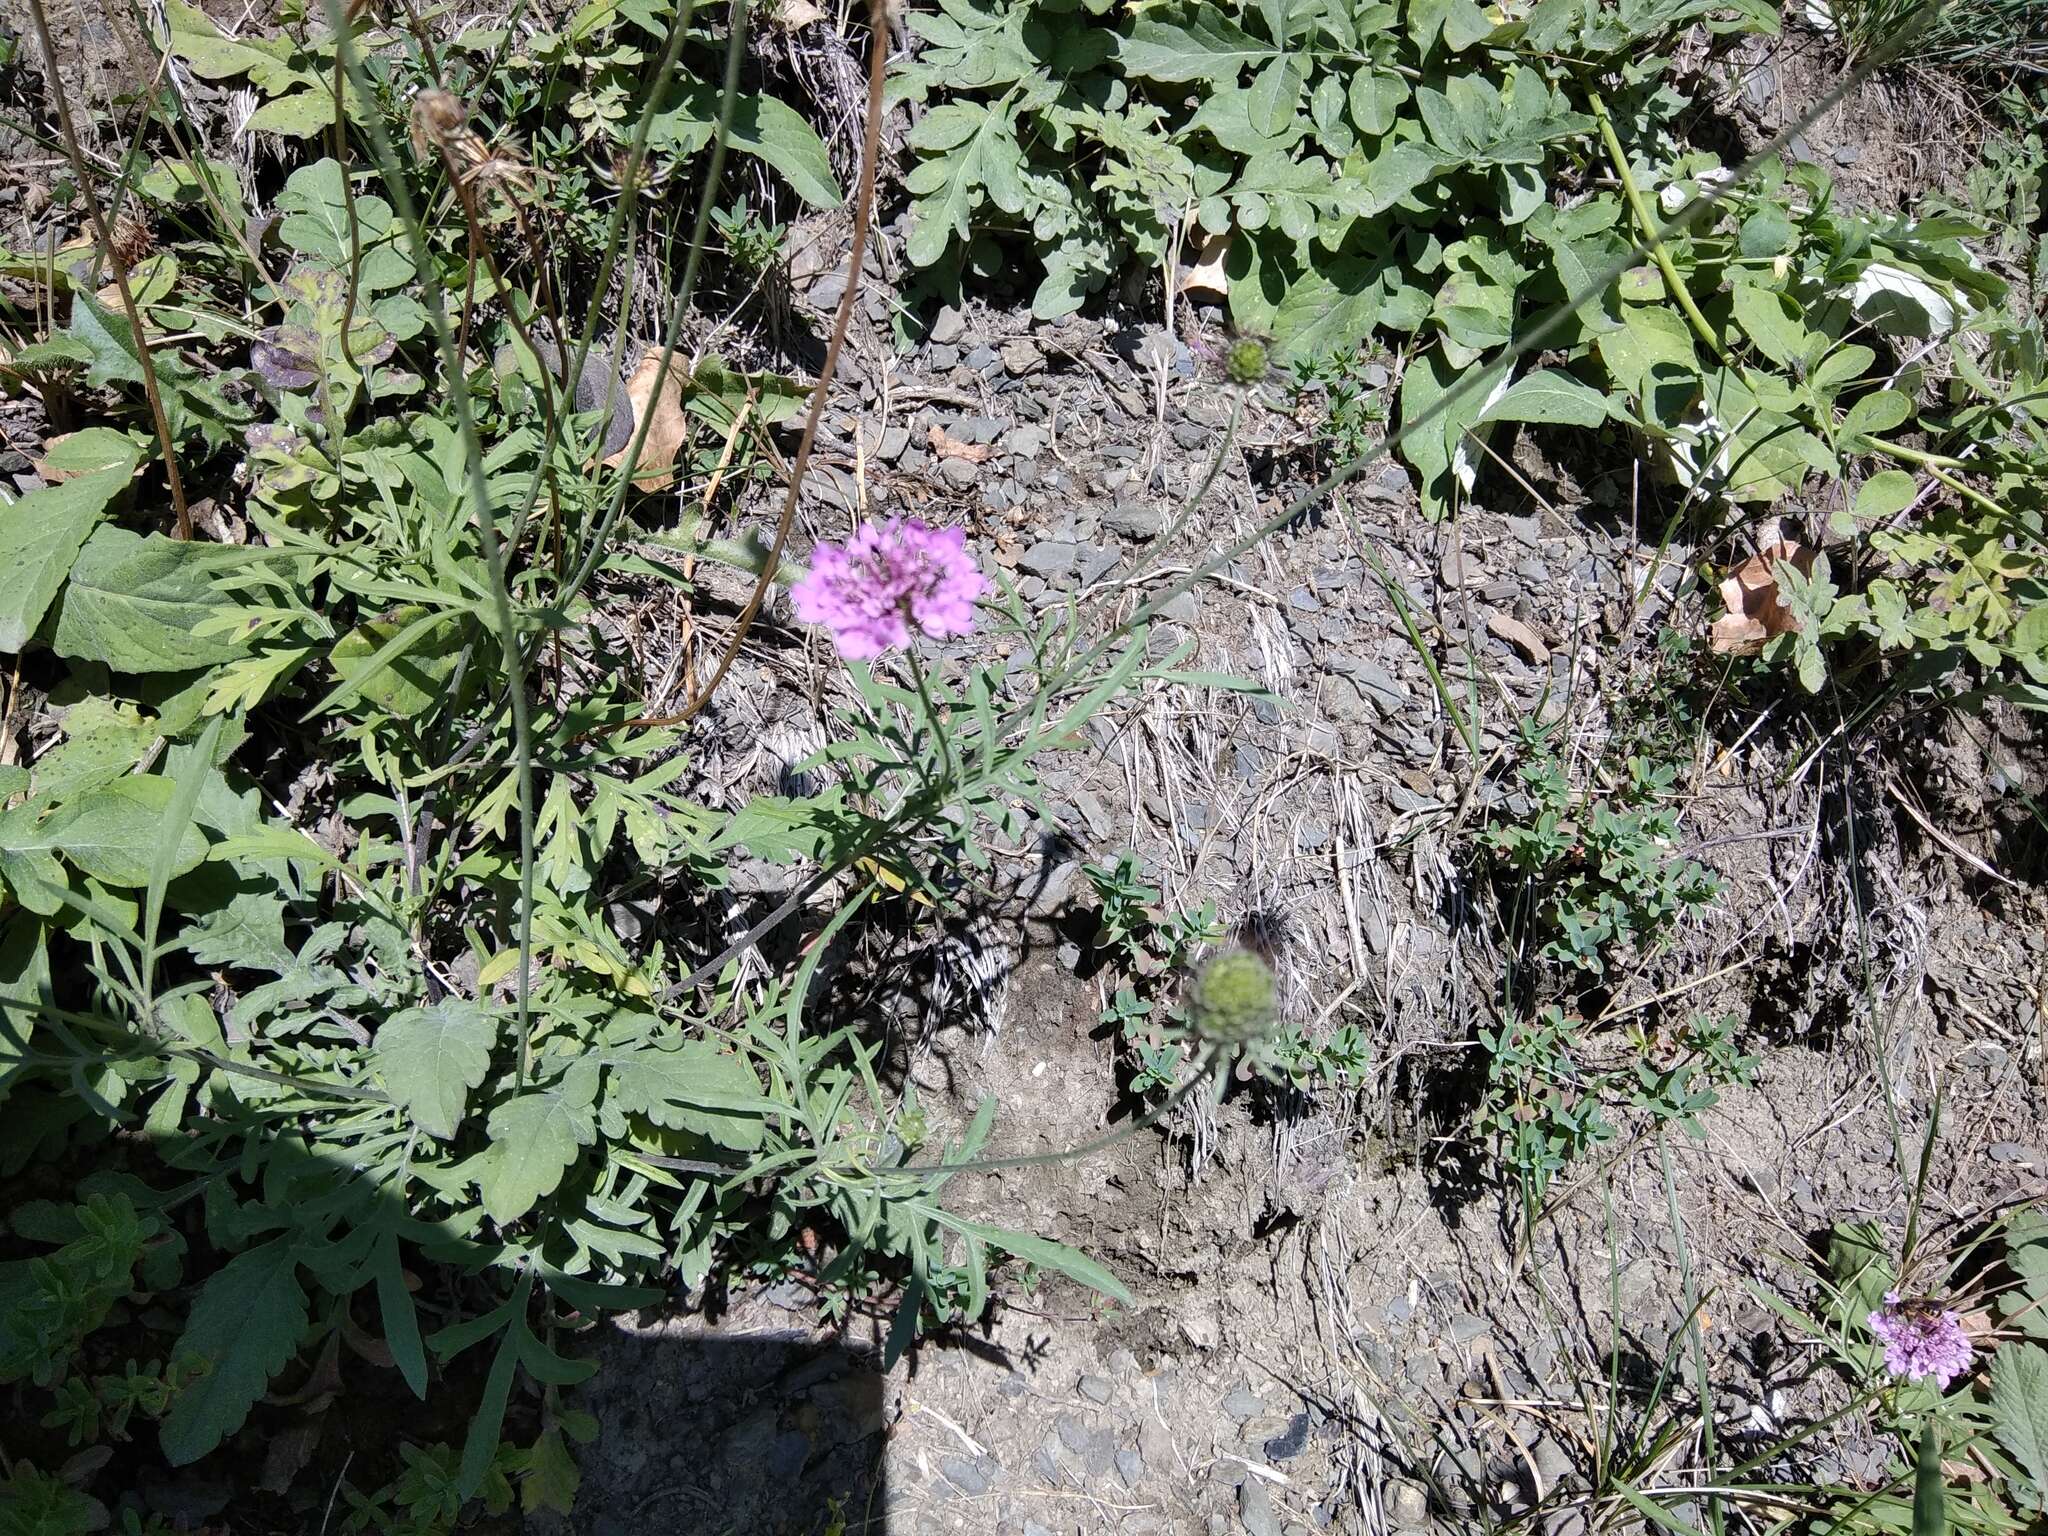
(367, 893)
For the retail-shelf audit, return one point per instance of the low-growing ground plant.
(368, 903)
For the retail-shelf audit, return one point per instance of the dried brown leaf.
(945, 447)
(1750, 593)
(646, 392)
(1205, 273)
(1520, 636)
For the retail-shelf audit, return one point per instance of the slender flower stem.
(504, 621)
(143, 355)
(931, 714)
(1938, 466)
(1652, 237)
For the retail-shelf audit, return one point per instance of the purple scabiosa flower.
(1921, 1339)
(894, 578)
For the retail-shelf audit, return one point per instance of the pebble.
(1289, 1442)
(983, 359)
(1407, 1505)
(1135, 520)
(964, 1475)
(1073, 1434)
(1182, 609)
(960, 472)
(1025, 442)
(1021, 358)
(1242, 1404)
(974, 429)
(1255, 1508)
(1096, 1389)
(1050, 558)
(1130, 1466)
(1466, 1327)
(943, 358)
(947, 325)
(892, 443)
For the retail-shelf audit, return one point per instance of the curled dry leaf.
(944, 447)
(646, 393)
(1755, 612)
(1520, 636)
(1205, 273)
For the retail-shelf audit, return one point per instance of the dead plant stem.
(104, 236)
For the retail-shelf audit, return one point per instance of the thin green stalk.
(1652, 236)
(721, 137)
(487, 530)
(1937, 465)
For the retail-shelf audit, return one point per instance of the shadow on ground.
(708, 1430)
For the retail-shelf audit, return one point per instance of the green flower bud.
(1245, 363)
(1233, 999)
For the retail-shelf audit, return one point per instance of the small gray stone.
(947, 325)
(1135, 520)
(1407, 1505)
(1024, 442)
(1242, 1404)
(1847, 154)
(1130, 1466)
(975, 429)
(1021, 357)
(1073, 1434)
(1289, 1442)
(1255, 1508)
(1465, 1328)
(964, 1475)
(892, 443)
(1760, 85)
(1096, 1389)
(944, 359)
(960, 472)
(1094, 562)
(1551, 1462)
(1050, 558)
(1183, 609)
(983, 359)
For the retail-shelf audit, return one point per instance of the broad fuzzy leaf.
(315, 224)
(40, 535)
(114, 833)
(1550, 396)
(535, 1138)
(247, 1324)
(430, 1058)
(2019, 1408)
(135, 604)
(1207, 46)
(696, 1087)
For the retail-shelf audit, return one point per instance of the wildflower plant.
(1923, 1340)
(891, 581)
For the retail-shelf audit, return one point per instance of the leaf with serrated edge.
(247, 1324)
(2019, 1407)
(429, 1059)
(535, 1138)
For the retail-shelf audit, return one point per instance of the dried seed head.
(436, 117)
(1233, 1001)
(130, 241)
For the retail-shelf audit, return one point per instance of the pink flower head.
(1921, 1340)
(893, 578)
